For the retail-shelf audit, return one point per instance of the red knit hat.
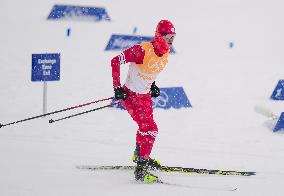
(165, 27)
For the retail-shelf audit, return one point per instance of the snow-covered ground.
(223, 84)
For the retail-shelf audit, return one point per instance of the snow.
(223, 84)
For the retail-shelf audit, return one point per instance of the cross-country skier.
(146, 60)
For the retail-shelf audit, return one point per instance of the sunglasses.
(169, 36)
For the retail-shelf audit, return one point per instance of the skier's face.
(169, 38)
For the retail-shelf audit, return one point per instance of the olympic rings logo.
(161, 101)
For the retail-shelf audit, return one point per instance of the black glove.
(154, 90)
(119, 93)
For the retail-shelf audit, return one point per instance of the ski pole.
(57, 111)
(99, 108)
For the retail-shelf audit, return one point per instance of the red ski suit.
(145, 64)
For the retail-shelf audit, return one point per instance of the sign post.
(44, 107)
(45, 67)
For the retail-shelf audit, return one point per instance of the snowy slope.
(223, 84)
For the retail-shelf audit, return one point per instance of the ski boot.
(152, 164)
(142, 174)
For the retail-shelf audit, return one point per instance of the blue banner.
(280, 124)
(174, 97)
(122, 42)
(278, 93)
(61, 12)
(46, 67)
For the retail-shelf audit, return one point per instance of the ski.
(206, 171)
(169, 169)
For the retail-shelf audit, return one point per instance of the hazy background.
(223, 84)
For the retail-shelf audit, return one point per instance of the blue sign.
(169, 98)
(122, 42)
(278, 93)
(45, 67)
(280, 123)
(61, 12)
